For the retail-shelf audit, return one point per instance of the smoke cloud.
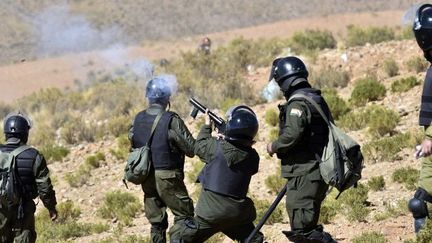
(271, 91)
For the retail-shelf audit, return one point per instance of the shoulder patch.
(296, 112)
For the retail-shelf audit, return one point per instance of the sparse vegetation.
(367, 89)
(408, 176)
(67, 225)
(329, 77)
(275, 182)
(404, 84)
(271, 117)
(54, 153)
(417, 64)
(390, 67)
(393, 210)
(309, 40)
(373, 151)
(376, 183)
(122, 150)
(274, 134)
(262, 206)
(337, 105)
(354, 203)
(358, 36)
(120, 205)
(370, 237)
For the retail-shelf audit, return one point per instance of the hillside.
(35, 29)
(396, 228)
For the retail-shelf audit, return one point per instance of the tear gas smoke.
(271, 91)
(170, 81)
(409, 15)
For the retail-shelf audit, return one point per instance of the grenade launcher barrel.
(219, 122)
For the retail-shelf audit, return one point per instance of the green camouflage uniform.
(215, 212)
(165, 188)
(305, 187)
(23, 230)
(425, 180)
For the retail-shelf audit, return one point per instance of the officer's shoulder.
(33, 151)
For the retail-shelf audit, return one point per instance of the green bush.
(275, 182)
(228, 103)
(120, 205)
(353, 121)
(417, 64)
(79, 177)
(376, 183)
(124, 239)
(404, 84)
(337, 105)
(192, 175)
(94, 160)
(54, 153)
(330, 208)
(381, 120)
(66, 226)
(308, 40)
(408, 176)
(354, 203)
(367, 89)
(370, 237)
(329, 77)
(261, 208)
(274, 134)
(271, 117)
(122, 150)
(359, 36)
(390, 67)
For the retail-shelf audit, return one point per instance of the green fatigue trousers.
(303, 200)
(20, 230)
(162, 189)
(203, 230)
(425, 179)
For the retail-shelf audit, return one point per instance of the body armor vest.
(162, 155)
(315, 136)
(425, 116)
(24, 168)
(232, 181)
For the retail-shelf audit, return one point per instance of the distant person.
(28, 179)
(164, 188)
(230, 162)
(420, 205)
(205, 46)
(303, 134)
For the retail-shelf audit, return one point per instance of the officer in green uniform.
(223, 205)
(422, 199)
(17, 221)
(302, 136)
(172, 141)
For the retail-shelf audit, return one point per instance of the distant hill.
(32, 29)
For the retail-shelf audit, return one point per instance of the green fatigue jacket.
(179, 136)
(213, 207)
(298, 117)
(425, 180)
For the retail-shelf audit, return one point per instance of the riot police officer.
(420, 204)
(302, 136)
(164, 187)
(230, 162)
(17, 221)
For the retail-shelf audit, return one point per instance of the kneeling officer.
(230, 163)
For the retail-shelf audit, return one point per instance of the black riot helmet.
(17, 125)
(286, 67)
(422, 28)
(242, 125)
(289, 72)
(158, 91)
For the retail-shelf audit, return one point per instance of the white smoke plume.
(170, 81)
(271, 91)
(61, 31)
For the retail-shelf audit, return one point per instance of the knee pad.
(418, 207)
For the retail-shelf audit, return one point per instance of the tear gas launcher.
(198, 107)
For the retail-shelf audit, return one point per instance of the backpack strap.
(317, 107)
(19, 150)
(156, 121)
